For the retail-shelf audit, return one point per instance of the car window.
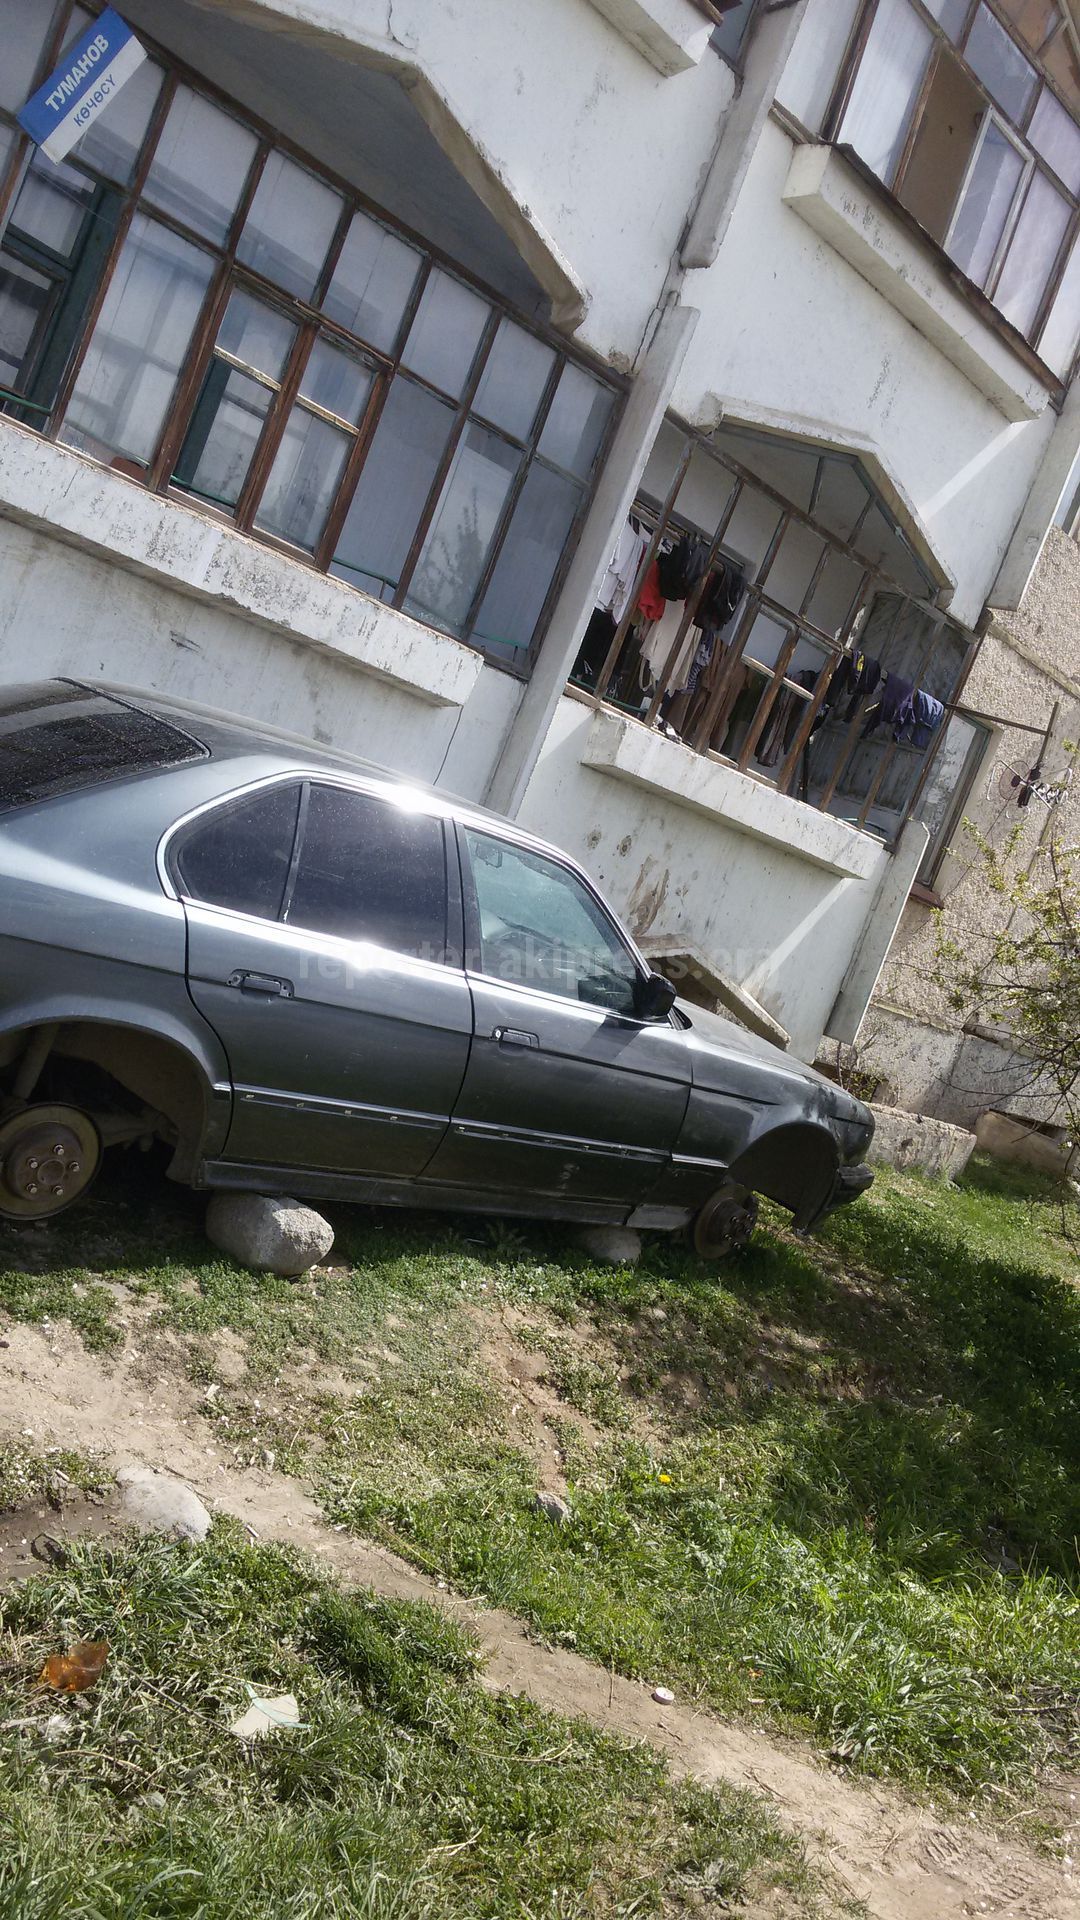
(56, 737)
(540, 926)
(239, 855)
(371, 870)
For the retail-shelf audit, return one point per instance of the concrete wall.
(911, 1035)
(792, 336)
(101, 579)
(577, 141)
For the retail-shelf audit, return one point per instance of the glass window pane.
(334, 380)
(239, 858)
(1061, 334)
(513, 381)
(999, 63)
(459, 539)
(24, 27)
(112, 143)
(834, 596)
(443, 338)
(731, 32)
(371, 871)
(951, 13)
(526, 566)
(577, 422)
(1033, 251)
(292, 221)
(24, 295)
(1034, 18)
(372, 283)
(224, 434)
(1055, 134)
(541, 927)
(200, 165)
(393, 488)
(889, 77)
(52, 204)
(1063, 66)
(304, 479)
(256, 334)
(129, 375)
(986, 205)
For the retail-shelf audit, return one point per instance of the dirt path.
(901, 1860)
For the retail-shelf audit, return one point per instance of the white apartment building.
(356, 339)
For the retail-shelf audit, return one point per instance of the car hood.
(720, 1048)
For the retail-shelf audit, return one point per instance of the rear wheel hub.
(725, 1223)
(48, 1157)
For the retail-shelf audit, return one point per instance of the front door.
(567, 1093)
(317, 939)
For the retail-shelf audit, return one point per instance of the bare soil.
(904, 1860)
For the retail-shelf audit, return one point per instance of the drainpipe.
(642, 417)
(771, 41)
(1048, 489)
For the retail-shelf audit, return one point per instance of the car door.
(567, 1093)
(317, 920)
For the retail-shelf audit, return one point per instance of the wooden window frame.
(835, 646)
(230, 273)
(1016, 130)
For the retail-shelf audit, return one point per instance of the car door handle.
(515, 1037)
(265, 983)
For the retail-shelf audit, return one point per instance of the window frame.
(523, 843)
(305, 777)
(1016, 130)
(230, 274)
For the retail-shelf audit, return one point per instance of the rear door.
(318, 919)
(567, 1093)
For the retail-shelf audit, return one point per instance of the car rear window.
(59, 736)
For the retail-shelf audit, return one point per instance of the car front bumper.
(850, 1182)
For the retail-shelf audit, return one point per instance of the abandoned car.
(309, 976)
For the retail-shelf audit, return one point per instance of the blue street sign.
(93, 71)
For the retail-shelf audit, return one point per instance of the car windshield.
(59, 736)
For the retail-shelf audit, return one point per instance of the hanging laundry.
(618, 582)
(895, 691)
(919, 718)
(682, 567)
(855, 679)
(652, 601)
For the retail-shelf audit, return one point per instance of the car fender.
(194, 1040)
(794, 1163)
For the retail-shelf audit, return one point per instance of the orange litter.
(80, 1667)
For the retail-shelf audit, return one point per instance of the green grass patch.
(410, 1793)
(836, 1485)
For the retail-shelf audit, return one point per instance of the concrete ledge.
(913, 1144)
(833, 199)
(671, 34)
(675, 959)
(629, 751)
(73, 498)
(1025, 1144)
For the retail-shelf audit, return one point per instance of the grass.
(409, 1793)
(833, 1486)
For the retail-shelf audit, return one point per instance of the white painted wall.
(101, 580)
(792, 336)
(577, 125)
(777, 923)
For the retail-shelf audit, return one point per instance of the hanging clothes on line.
(618, 582)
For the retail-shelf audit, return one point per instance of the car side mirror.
(654, 997)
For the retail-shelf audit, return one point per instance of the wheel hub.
(725, 1223)
(48, 1157)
